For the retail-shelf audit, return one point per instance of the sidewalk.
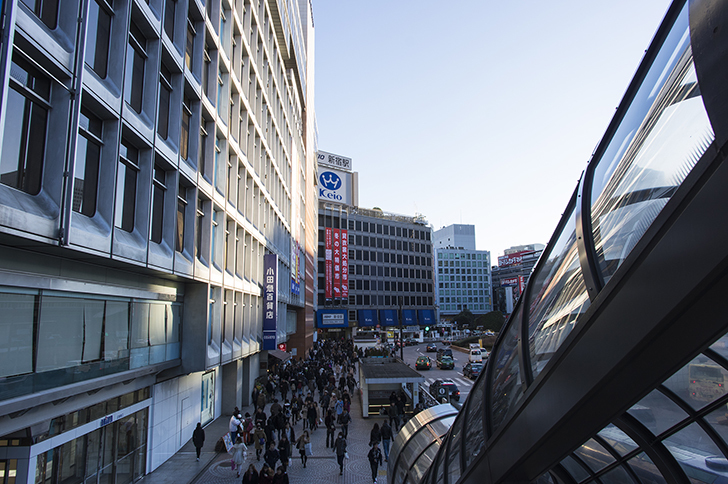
(321, 468)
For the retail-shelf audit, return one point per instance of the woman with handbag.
(302, 443)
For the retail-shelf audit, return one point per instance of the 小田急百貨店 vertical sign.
(270, 300)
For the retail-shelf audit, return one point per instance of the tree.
(464, 318)
(493, 321)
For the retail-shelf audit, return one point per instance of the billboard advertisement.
(512, 259)
(328, 267)
(344, 264)
(332, 318)
(510, 281)
(336, 262)
(335, 186)
(334, 161)
(270, 300)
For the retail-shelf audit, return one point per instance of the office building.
(156, 157)
(375, 268)
(463, 273)
(511, 275)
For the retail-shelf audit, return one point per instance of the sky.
(474, 111)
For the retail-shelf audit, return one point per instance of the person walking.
(330, 428)
(386, 432)
(340, 449)
(345, 420)
(375, 460)
(238, 451)
(271, 455)
(198, 439)
(260, 440)
(311, 415)
(280, 477)
(284, 451)
(234, 427)
(266, 475)
(251, 475)
(301, 444)
(375, 436)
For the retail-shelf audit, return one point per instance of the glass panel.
(657, 412)
(16, 334)
(475, 430)
(574, 468)
(544, 479)
(665, 131)
(718, 419)
(507, 386)
(440, 476)
(157, 324)
(423, 463)
(60, 333)
(617, 476)
(93, 323)
(116, 341)
(140, 325)
(647, 472)
(699, 382)
(415, 445)
(721, 346)
(692, 447)
(619, 441)
(453, 458)
(558, 297)
(594, 455)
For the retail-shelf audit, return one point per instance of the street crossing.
(462, 383)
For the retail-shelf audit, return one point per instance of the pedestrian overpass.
(613, 367)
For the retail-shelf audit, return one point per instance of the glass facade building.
(612, 367)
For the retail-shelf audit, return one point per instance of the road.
(411, 353)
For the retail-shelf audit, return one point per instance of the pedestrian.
(345, 419)
(271, 455)
(303, 441)
(311, 415)
(330, 428)
(386, 433)
(239, 452)
(393, 413)
(340, 449)
(260, 440)
(234, 426)
(198, 439)
(375, 460)
(248, 428)
(266, 475)
(284, 451)
(280, 477)
(251, 475)
(261, 400)
(375, 436)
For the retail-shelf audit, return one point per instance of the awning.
(281, 355)
(389, 317)
(409, 317)
(368, 317)
(427, 317)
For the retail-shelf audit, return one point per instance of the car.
(423, 363)
(446, 363)
(431, 348)
(444, 352)
(440, 389)
(411, 342)
(472, 370)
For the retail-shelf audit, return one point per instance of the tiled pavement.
(322, 467)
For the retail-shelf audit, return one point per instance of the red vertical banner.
(337, 262)
(344, 264)
(328, 274)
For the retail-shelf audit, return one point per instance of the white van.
(475, 356)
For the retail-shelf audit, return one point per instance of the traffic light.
(427, 328)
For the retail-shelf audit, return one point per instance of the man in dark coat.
(198, 438)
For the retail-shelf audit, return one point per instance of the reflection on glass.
(721, 346)
(440, 476)
(594, 455)
(507, 386)
(574, 468)
(616, 476)
(718, 419)
(544, 479)
(646, 470)
(663, 134)
(657, 412)
(558, 297)
(619, 441)
(693, 450)
(453, 458)
(474, 431)
(699, 382)
(423, 463)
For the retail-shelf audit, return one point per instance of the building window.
(169, 8)
(136, 55)
(181, 210)
(159, 188)
(46, 10)
(88, 154)
(200, 215)
(190, 45)
(184, 142)
(21, 164)
(165, 93)
(126, 182)
(206, 68)
(203, 148)
(97, 37)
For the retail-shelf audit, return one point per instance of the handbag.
(309, 449)
(346, 455)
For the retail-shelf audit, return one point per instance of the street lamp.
(401, 341)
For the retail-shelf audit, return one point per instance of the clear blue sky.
(476, 112)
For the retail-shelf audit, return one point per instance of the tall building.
(156, 221)
(463, 273)
(511, 275)
(375, 268)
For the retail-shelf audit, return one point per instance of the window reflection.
(474, 431)
(694, 449)
(594, 455)
(507, 386)
(616, 476)
(574, 468)
(453, 451)
(657, 412)
(616, 438)
(646, 471)
(699, 382)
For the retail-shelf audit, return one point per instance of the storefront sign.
(270, 300)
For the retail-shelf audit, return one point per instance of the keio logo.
(330, 180)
